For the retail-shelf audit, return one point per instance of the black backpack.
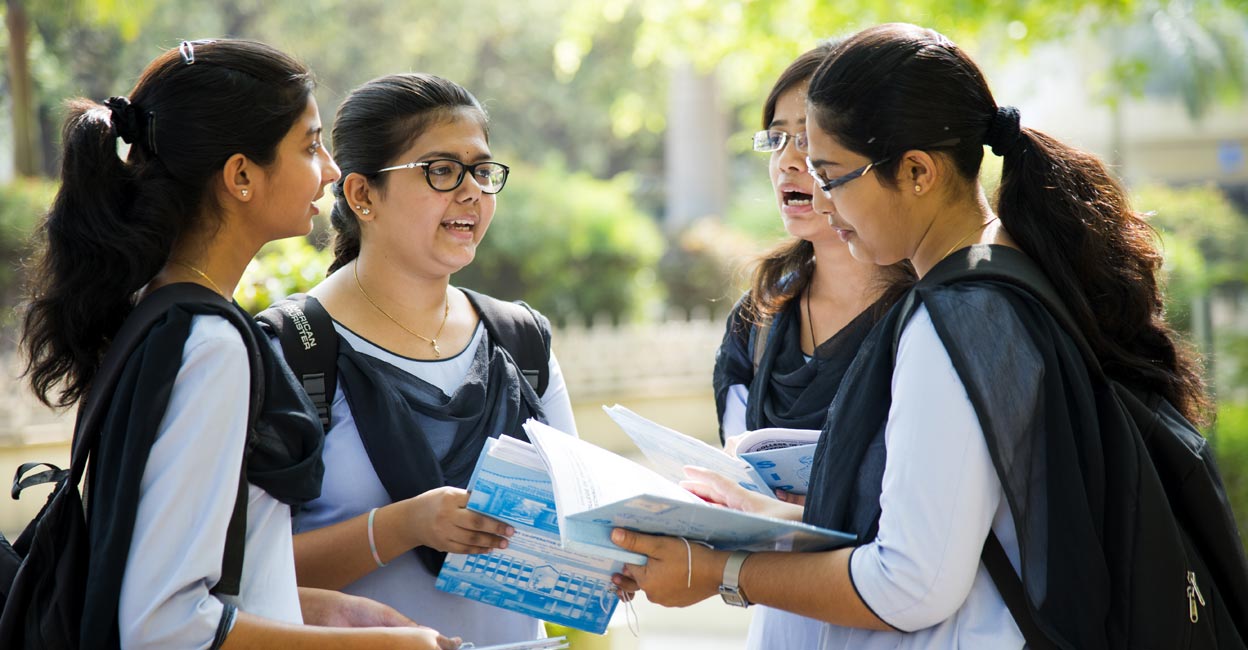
(43, 573)
(310, 344)
(1182, 494)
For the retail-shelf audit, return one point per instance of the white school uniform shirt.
(922, 574)
(351, 487)
(186, 499)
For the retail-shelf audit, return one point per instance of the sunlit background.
(634, 199)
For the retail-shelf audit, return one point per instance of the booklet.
(564, 496)
(782, 456)
(596, 491)
(535, 574)
(669, 451)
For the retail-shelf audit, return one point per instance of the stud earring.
(244, 193)
(366, 211)
(918, 188)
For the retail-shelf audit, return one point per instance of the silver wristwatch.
(730, 589)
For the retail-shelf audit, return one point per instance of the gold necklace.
(446, 310)
(204, 276)
(968, 236)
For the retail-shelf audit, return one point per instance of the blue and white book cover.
(786, 468)
(534, 575)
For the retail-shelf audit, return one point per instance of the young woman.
(225, 155)
(810, 298)
(810, 306)
(987, 411)
(421, 381)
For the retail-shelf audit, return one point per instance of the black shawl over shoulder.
(1064, 465)
(787, 391)
(393, 410)
(283, 454)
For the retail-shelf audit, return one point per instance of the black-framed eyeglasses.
(446, 174)
(827, 185)
(774, 140)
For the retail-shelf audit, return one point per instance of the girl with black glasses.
(424, 376)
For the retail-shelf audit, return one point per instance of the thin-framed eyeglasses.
(827, 185)
(446, 174)
(774, 140)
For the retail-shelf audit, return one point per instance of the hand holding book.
(720, 490)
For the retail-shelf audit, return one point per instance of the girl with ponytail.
(999, 440)
(224, 155)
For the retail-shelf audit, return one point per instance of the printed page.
(670, 450)
(534, 575)
(774, 438)
(786, 468)
(586, 476)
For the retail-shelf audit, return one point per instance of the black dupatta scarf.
(788, 390)
(394, 409)
(283, 454)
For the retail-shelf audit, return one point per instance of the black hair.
(376, 123)
(114, 222)
(896, 87)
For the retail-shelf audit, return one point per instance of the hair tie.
(125, 118)
(1004, 133)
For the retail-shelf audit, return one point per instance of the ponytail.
(92, 259)
(1068, 213)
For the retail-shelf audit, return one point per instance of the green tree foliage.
(1205, 240)
(22, 204)
(281, 268)
(568, 244)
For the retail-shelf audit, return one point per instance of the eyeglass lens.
(773, 140)
(445, 175)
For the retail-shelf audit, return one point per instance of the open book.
(596, 491)
(766, 460)
(564, 496)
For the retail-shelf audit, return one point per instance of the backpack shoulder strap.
(523, 332)
(310, 346)
(1011, 589)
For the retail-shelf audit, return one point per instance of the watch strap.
(730, 588)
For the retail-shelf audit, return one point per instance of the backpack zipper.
(1193, 597)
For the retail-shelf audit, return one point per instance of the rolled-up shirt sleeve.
(940, 491)
(187, 497)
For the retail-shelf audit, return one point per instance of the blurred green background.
(634, 199)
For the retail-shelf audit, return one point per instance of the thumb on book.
(633, 541)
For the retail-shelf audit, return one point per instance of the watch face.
(732, 596)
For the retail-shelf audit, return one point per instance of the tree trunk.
(25, 129)
(695, 151)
